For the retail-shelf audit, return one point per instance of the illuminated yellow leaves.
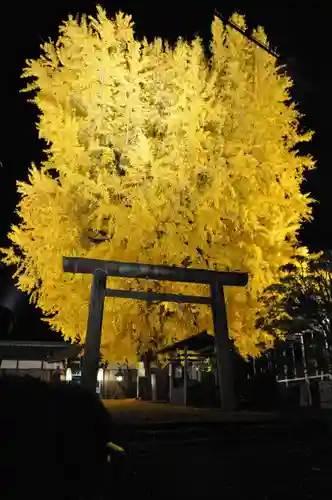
(161, 157)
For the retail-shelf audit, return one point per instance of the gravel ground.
(248, 458)
(206, 471)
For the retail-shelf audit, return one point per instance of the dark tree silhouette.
(53, 441)
(301, 303)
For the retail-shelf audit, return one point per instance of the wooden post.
(147, 366)
(154, 395)
(305, 369)
(171, 379)
(224, 349)
(93, 334)
(137, 383)
(185, 377)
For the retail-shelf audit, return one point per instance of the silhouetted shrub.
(53, 440)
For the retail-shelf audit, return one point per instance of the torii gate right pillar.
(224, 349)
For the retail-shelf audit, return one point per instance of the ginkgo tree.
(158, 154)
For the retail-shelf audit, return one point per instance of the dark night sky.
(300, 34)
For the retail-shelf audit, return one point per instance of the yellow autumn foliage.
(160, 155)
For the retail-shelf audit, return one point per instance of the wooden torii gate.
(100, 269)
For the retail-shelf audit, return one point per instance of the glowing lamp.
(100, 375)
(69, 376)
(119, 376)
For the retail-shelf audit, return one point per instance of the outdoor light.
(119, 376)
(69, 376)
(100, 376)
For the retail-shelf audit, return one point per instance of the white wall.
(28, 365)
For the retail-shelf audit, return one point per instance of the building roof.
(39, 351)
(200, 342)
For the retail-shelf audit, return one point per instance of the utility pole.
(305, 85)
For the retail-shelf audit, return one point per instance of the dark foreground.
(252, 463)
(53, 444)
(283, 457)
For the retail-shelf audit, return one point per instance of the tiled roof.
(41, 351)
(199, 342)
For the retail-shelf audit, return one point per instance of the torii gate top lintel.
(150, 271)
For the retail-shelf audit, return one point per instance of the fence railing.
(322, 376)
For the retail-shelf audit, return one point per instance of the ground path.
(193, 453)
